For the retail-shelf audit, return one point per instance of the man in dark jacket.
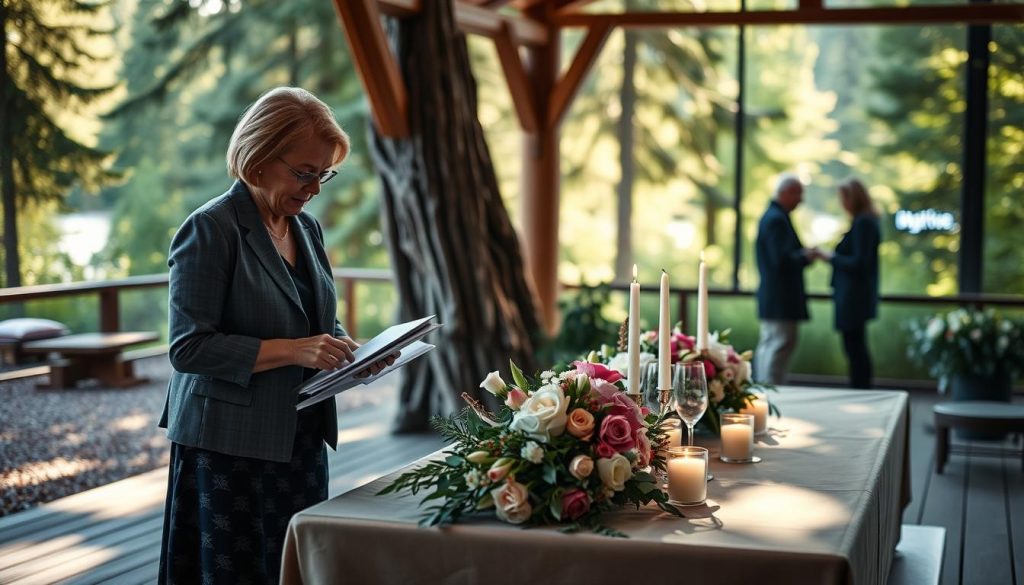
(781, 300)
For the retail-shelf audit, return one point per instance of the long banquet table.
(823, 507)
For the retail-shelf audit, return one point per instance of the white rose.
(935, 328)
(494, 384)
(620, 362)
(543, 414)
(532, 452)
(744, 371)
(718, 352)
(512, 502)
(614, 472)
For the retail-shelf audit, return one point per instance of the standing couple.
(781, 299)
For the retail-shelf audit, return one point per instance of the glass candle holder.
(687, 469)
(759, 408)
(738, 438)
(674, 428)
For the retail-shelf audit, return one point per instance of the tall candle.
(687, 480)
(664, 331)
(702, 304)
(759, 408)
(737, 441)
(633, 347)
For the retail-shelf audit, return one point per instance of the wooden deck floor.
(112, 534)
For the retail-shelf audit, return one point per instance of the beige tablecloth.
(823, 507)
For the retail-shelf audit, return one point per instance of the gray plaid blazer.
(229, 289)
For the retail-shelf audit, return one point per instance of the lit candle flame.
(634, 273)
(702, 255)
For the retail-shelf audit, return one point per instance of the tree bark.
(453, 249)
(627, 101)
(12, 268)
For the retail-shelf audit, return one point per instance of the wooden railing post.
(110, 312)
(349, 285)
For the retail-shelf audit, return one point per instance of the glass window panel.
(1004, 182)
(882, 103)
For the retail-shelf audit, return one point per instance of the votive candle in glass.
(737, 437)
(687, 470)
(759, 408)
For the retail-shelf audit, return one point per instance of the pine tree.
(51, 48)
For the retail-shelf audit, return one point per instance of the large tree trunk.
(453, 248)
(12, 269)
(627, 101)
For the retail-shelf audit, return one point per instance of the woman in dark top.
(251, 315)
(855, 279)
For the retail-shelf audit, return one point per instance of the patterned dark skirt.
(226, 517)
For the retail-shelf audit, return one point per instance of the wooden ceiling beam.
(807, 13)
(571, 6)
(518, 82)
(566, 88)
(476, 19)
(389, 100)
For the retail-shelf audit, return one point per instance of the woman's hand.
(323, 352)
(377, 366)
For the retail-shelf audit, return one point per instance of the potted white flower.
(975, 354)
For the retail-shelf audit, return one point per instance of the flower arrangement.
(563, 449)
(728, 372)
(967, 341)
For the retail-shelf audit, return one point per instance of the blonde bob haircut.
(856, 197)
(277, 121)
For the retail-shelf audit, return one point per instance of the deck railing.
(348, 279)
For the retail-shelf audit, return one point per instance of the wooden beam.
(488, 23)
(475, 19)
(540, 178)
(389, 101)
(518, 83)
(917, 14)
(571, 6)
(399, 8)
(566, 88)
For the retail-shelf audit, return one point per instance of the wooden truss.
(526, 35)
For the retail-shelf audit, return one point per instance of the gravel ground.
(55, 443)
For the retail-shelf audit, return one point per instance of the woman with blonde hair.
(251, 315)
(855, 279)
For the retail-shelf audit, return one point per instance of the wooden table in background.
(92, 355)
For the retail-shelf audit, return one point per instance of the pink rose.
(643, 448)
(515, 398)
(580, 424)
(575, 503)
(604, 451)
(680, 342)
(581, 467)
(598, 371)
(623, 405)
(709, 369)
(617, 433)
(512, 502)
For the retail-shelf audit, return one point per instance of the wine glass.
(649, 388)
(689, 394)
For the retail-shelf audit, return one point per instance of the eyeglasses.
(307, 178)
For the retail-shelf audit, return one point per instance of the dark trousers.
(855, 344)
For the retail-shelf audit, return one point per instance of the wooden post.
(540, 184)
(110, 312)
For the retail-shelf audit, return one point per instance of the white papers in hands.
(404, 337)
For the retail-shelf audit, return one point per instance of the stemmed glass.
(649, 388)
(689, 394)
